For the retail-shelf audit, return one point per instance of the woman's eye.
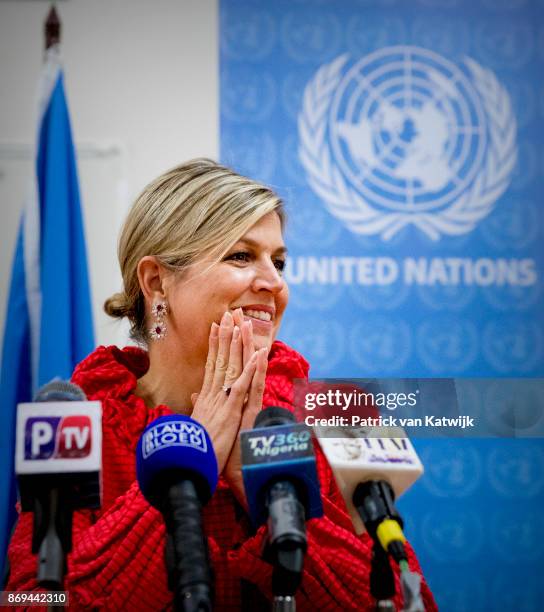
(280, 264)
(239, 256)
(245, 257)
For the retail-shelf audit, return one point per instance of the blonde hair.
(198, 208)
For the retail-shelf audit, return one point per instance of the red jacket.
(117, 560)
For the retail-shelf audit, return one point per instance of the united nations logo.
(406, 137)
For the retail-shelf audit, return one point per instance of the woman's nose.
(268, 277)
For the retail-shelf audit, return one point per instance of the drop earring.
(159, 310)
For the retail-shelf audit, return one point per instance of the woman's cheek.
(286, 293)
(283, 299)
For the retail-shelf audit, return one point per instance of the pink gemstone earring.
(157, 331)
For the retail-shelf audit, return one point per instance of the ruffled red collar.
(110, 375)
(113, 372)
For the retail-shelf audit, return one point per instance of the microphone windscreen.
(274, 415)
(60, 391)
(171, 448)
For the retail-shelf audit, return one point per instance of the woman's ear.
(151, 276)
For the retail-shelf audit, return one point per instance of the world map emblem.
(406, 137)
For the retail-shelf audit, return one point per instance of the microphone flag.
(49, 326)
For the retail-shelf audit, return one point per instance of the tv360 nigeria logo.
(406, 137)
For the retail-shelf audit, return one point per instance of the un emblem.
(406, 137)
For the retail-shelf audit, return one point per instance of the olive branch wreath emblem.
(344, 202)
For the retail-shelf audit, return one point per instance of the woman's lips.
(259, 325)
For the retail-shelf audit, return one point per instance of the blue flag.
(49, 326)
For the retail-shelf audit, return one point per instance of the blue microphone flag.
(171, 446)
(282, 452)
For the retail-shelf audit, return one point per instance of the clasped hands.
(232, 363)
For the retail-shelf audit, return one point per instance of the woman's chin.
(262, 341)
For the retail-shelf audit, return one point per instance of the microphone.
(372, 467)
(176, 469)
(281, 484)
(58, 460)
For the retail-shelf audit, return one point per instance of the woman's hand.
(253, 405)
(226, 366)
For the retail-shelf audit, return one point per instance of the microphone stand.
(52, 533)
(187, 557)
(382, 579)
(374, 501)
(284, 603)
(286, 577)
(288, 543)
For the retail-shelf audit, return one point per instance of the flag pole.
(52, 28)
(48, 327)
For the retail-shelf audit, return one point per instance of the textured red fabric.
(117, 561)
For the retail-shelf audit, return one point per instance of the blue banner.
(49, 326)
(405, 140)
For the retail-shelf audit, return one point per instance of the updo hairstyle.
(198, 208)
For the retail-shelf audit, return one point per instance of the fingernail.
(254, 356)
(214, 329)
(235, 333)
(227, 318)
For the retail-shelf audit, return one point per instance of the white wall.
(142, 87)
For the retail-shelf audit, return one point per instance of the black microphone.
(177, 473)
(280, 479)
(58, 458)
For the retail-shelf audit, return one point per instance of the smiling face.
(249, 276)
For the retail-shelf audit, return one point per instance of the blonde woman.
(202, 256)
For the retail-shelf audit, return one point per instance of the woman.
(202, 256)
